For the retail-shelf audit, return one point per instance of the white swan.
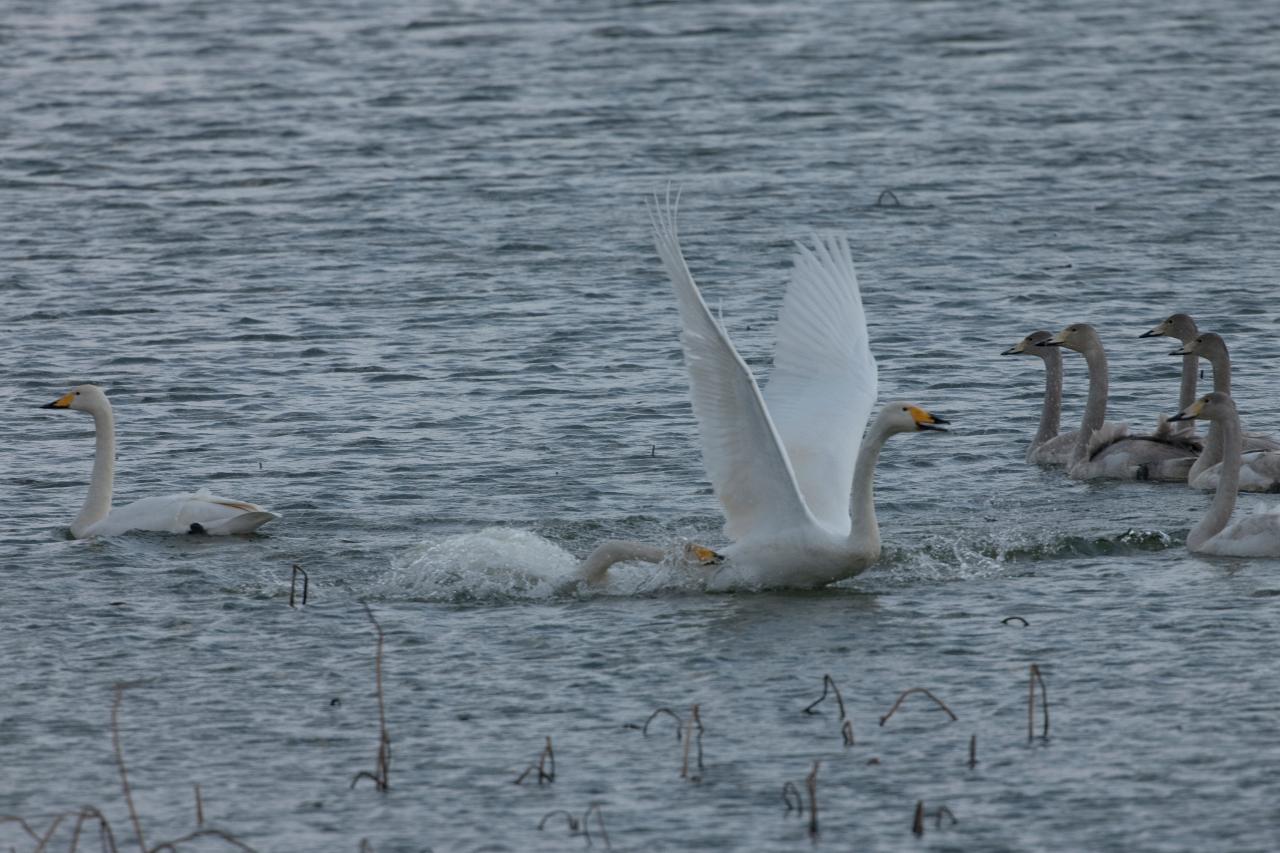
(785, 463)
(1106, 450)
(1260, 462)
(1049, 447)
(195, 513)
(1253, 536)
(1183, 328)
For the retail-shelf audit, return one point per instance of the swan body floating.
(1048, 447)
(200, 512)
(1106, 450)
(1260, 461)
(785, 463)
(1252, 536)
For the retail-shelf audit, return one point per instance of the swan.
(1106, 450)
(1253, 536)
(1182, 327)
(194, 513)
(786, 465)
(1260, 465)
(1048, 447)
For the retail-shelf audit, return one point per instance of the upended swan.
(1253, 536)
(1048, 447)
(786, 464)
(1260, 462)
(1107, 450)
(194, 513)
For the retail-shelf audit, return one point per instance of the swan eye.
(77, 393)
(904, 408)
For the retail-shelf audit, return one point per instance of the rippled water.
(385, 268)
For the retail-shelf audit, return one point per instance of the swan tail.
(245, 522)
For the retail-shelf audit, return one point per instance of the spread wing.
(741, 449)
(824, 378)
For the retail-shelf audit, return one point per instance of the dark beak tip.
(1147, 335)
(52, 405)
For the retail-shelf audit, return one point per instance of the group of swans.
(793, 464)
(1228, 460)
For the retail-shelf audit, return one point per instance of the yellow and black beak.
(1153, 333)
(1190, 412)
(63, 402)
(924, 420)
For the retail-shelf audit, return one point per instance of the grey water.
(385, 268)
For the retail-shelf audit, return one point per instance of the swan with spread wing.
(786, 463)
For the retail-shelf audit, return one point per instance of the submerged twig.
(172, 846)
(106, 836)
(941, 811)
(573, 821)
(917, 823)
(293, 584)
(811, 783)
(586, 824)
(199, 808)
(906, 693)
(644, 730)
(1006, 620)
(827, 682)
(695, 719)
(381, 774)
(26, 827)
(973, 751)
(846, 731)
(1035, 678)
(124, 773)
(890, 194)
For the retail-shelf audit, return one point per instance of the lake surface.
(385, 267)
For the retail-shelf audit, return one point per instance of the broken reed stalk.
(26, 827)
(199, 808)
(695, 719)
(1006, 620)
(124, 774)
(827, 681)
(105, 834)
(547, 752)
(293, 584)
(381, 774)
(917, 824)
(811, 783)
(906, 693)
(586, 824)
(973, 751)
(890, 194)
(573, 821)
(1035, 678)
(789, 790)
(846, 731)
(644, 730)
(941, 811)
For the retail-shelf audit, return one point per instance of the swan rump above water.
(200, 512)
(1252, 536)
(786, 463)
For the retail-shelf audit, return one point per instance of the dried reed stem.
(573, 821)
(973, 751)
(827, 681)
(547, 752)
(172, 846)
(811, 783)
(907, 693)
(846, 731)
(107, 837)
(890, 194)
(124, 774)
(380, 776)
(941, 811)
(644, 730)
(26, 827)
(586, 824)
(1036, 678)
(1006, 620)
(199, 807)
(789, 790)
(293, 584)
(917, 824)
(695, 719)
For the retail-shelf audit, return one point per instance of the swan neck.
(1095, 410)
(1221, 372)
(1187, 392)
(97, 505)
(1051, 410)
(1210, 456)
(864, 532)
(1224, 500)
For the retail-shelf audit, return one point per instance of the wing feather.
(824, 379)
(741, 449)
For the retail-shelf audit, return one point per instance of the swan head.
(901, 416)
(1211, 407)
(1179, 326)
(82, 398)
(1209, 345)
(1077, 336)
(1030, 345)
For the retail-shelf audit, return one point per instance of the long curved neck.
(1095, 410)
(1224, 500)
(97, 505)
(1051, 410)
(1221, 362)
(1187, 392)
(1210, 456)
(864, 532)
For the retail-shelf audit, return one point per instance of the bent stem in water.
(1034, 679)
(383, 769)
(923, 690)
